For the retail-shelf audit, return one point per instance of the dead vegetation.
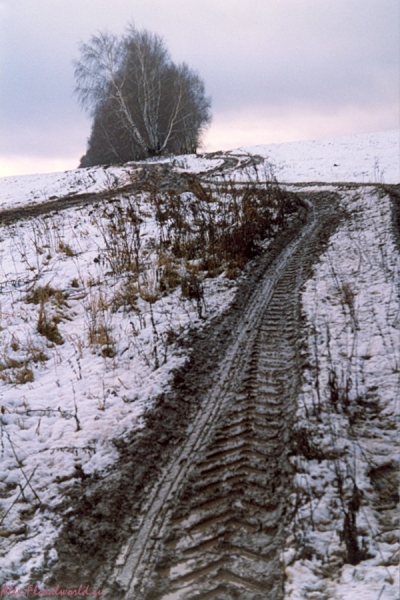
(202, 231)
(341, 513)
(48, 326)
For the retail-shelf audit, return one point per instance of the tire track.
(212, 526)
(143, 177)
(232, 547)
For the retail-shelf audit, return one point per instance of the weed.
(149, 289)
(24, 375)
(125, 297)
(191, 287)
(99, 329)
(48, 327)
(42, 294)
(121, 236)
(232, 272)
(10, 363)
(108, 351)
(149, 295)
(169, 277)
(38, 356)
(65, 248)
(348, 295)
(222, 228)
(15, 345)
(99, 335)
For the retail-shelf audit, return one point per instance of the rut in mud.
(213, 523)
(224, 538)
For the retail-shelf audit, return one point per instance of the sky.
(276, 70)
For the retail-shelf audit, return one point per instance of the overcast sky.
(276, 70)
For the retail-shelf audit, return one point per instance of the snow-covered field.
(363, 158)
(36, 189)
(107, 348)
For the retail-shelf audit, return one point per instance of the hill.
(134, 303)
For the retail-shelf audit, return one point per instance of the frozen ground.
(349, 451)
(65, 397)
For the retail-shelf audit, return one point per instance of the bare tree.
(141, 102)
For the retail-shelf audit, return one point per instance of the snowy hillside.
(96, 301)
(364, 158)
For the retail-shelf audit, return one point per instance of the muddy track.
(144, 175)
(124, 517)
(212, 525)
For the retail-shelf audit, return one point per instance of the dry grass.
(120, 228)
(10, 363)
(168, 274)
(48, 327)
(14, 371)
(42, 294)
(191, 287)
(125, 297)
(65, 248)
(200, 233)
(99, 327)
(15, 344)
(220, 229)
(100, 338)
(24, 375)
(149, 295)
(348, 295)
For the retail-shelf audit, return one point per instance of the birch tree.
(142, 104)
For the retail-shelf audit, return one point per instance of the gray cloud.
(277, 57)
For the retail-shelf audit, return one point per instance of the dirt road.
(212, 525)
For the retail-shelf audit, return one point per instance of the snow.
(352, 309)
(362, 158)
(62, 405)
(36, 189)
(93, 387)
